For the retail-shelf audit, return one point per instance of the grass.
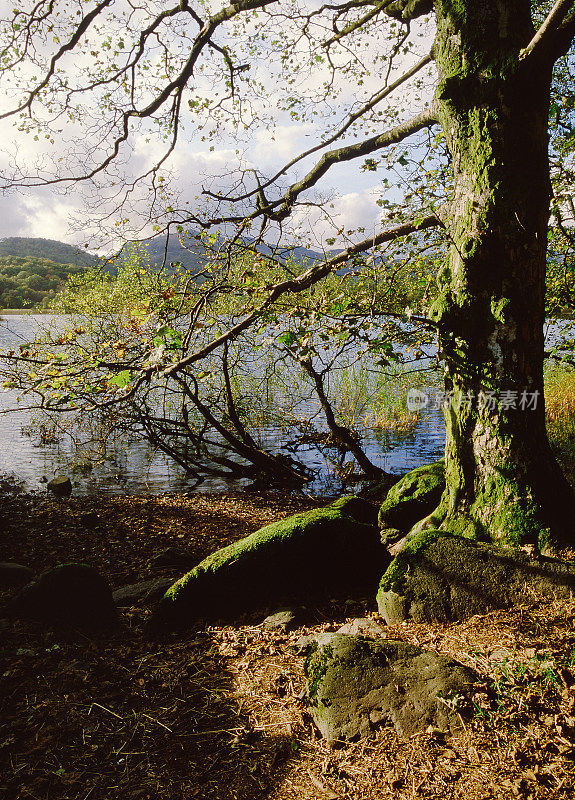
(560, 415)
(374, 399)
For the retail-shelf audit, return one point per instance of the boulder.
(322, 553)
(12, 574)
(61, 486)
(356, 684)
(283, 620)
(378, 490)
(69, 594)
(363, 626)
(141, 592)
(414, 497)
(439, 577)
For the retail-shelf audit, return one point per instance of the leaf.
(122, 379)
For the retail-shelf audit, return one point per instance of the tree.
(490, 195)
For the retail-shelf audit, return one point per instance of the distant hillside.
(192, 254)
(57, 252)
(26, 282)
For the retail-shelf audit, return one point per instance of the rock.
(357, 684)
(142, 592)
(284, 620)
(362, 626)
(318, 554)
(378, 491)
(358, 508)
(12, 574)
(439, 577)
(414, 497)
(61, 486)
(70, 594)
(172, 557)
(391, 536)
(303, 645)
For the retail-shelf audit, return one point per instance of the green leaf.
(121, 380)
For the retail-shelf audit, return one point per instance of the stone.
(303, 645)
(377, 491)
(12, 574)
(362, 626)
(69, 594)
(356, 684)
(391, 536)
(61, 486)
(321, 553)
(285, 620)
(439, 577)
(414, 497)
(141, 592)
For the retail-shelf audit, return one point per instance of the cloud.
(348, 218)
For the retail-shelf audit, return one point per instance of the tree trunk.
(502, 479)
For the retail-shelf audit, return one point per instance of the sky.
(68, 215)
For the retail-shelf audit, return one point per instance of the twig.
(157, 721)
(113, 713)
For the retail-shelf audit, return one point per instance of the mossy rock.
(378, 490)
(357, 684)
(414, 497)
(68, 594)
(321, 553)
(440, 577)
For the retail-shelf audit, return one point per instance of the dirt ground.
(219, 713)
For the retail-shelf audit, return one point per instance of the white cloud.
(357, 213)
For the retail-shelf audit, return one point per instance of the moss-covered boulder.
(378, 490)
(439, 577)
(69, 594)
(357, 684)
(325, 552)
(414, 497)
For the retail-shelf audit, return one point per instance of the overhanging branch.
(393, 136)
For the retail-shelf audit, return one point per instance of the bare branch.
(353, 117)
(83, 26)
(397, 134)
(552, 24)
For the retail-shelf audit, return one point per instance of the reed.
(560, 416)
(377, 400)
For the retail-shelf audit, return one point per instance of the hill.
(26, 282)
(50, 249)
(192, 253)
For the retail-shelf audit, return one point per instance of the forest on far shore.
(32, 271)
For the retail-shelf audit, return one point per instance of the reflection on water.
(132, 466)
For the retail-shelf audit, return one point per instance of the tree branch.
(424, 120)
(353, 117)
(545, 36)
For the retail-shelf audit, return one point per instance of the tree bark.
(502, 479)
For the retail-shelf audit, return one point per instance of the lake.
(133, 467)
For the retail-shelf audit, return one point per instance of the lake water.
(133, 467)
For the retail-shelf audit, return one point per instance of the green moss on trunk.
(502, 479)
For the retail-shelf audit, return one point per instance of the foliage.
(459, 249)
(560, 415)
(297, 371)
(30, 281)
(48, 249)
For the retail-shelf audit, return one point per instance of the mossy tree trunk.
(502, 478)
